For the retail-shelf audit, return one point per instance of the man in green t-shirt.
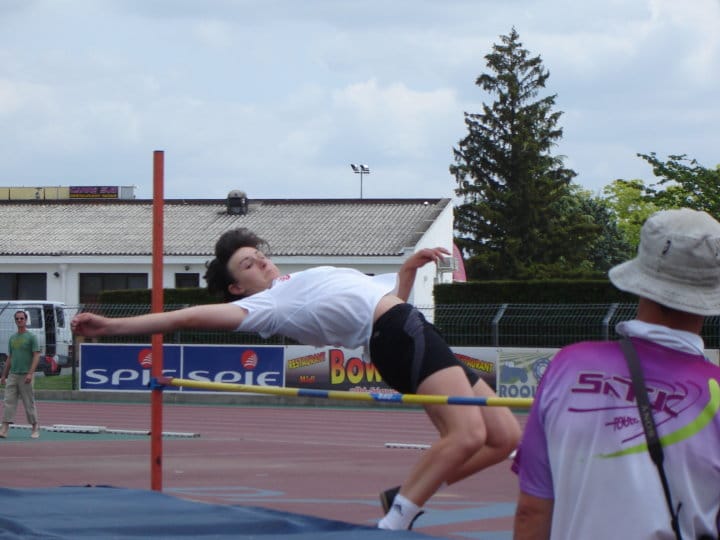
(19, 371)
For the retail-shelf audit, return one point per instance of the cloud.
(279, 97)
(395, 119)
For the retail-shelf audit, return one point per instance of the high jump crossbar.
(420, 399)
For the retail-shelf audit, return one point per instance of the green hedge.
(143, 297)
(556, 291)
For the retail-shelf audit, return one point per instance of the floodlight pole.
(361, 170)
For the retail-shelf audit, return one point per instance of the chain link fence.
(530, 325)
(485, 325)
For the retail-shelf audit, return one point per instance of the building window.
(23, 286)
(187, 280)
(91, 285)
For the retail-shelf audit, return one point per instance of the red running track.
(319, 461)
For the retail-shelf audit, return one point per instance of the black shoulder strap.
(648, 422)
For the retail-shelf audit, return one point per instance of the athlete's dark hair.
(217, 276)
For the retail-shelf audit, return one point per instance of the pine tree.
(513, 220)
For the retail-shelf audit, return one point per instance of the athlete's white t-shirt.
(325, 305)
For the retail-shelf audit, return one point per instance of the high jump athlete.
(343, 307)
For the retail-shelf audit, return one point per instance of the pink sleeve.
(531, 463)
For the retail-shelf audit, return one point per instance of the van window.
(34, 319)
(60, 317)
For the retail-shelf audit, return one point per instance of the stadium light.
(361, 170)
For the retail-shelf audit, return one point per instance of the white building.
(72, 250)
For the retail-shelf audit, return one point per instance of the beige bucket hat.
(678, 262)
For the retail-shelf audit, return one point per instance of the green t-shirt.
(21, 348)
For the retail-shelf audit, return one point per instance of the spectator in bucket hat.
(583, 464)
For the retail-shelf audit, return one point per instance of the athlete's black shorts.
(406, 349)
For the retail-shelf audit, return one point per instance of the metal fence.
(530, 325)
(487, 325)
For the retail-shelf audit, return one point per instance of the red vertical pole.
(156, 428)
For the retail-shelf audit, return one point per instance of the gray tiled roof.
(369, 227)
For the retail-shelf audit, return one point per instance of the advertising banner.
(331, 368)
(513, 373)
(510, 372)
(236, 364)
(123, 367)
(93, 192)
(128, 367)
(481, 360)
(521, 370)
(335, 368)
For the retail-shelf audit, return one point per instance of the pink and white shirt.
(584, 445)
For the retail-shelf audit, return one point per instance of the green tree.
(511, 222)
(612, 245)
(684, 183)
(631, 203)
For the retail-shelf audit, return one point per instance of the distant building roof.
(314, 227)
(54, 193)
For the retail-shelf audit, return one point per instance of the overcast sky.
(278, 97)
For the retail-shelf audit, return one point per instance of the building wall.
(63, 271)
(439, 234)
(65, 286)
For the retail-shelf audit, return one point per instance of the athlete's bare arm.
(207, 317)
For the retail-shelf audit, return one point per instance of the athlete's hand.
(424, 256)
(89, 325)
(406, 275)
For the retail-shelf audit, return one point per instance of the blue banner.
(260, 365)
(128, 367)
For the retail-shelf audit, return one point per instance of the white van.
(48, 321)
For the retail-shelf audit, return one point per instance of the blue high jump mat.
(108, 513)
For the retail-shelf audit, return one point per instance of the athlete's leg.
(462, 434)
(462, 431)
(503, 436)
